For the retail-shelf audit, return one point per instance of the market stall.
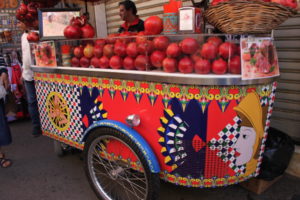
(191, 109)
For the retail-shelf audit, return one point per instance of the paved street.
(38, 174)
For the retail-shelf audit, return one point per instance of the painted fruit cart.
(137, 127)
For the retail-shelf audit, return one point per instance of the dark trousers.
(5, 136)
(33, 107)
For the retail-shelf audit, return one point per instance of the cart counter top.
(156, 76)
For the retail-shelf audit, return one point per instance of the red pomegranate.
(186, 65)
(157, 58)
(128, 63)
(116, 62)
(189, 45)
(161, 43)
(169, 65)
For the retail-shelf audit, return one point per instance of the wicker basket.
(245, 17)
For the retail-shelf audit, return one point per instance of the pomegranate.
(100, 42)
(108, 50)
(189, 45)
(29, 17)
(202, 66)
(103, 62)
(120, 49)
(131, 50)
(141, 38)
(111, 38)
(116, 62)
(209, 51)
(215, 40)
(186, 65)
(173, 50)
(95, 62)
(153, 25)
(88, 51)
(196, 56)
(234, 65)
(219, 66)
(157, 58)
(76, 21)
(98, 51)
(84, 62)
(141, 62)
(88, 31)
(169, 65)
(227, 50)
(128, 63)
(146, 47)
(78, 51)
(124, 37)
(75, 62)
(73, 32)
(33, 37)
(161, 43)
(32, 8)
(22, 10)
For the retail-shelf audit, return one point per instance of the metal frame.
(156, 76)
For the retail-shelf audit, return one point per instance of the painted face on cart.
(123, 12)
(244, 145)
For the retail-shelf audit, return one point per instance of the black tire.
(113, 179)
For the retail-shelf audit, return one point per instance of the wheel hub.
(116, 172)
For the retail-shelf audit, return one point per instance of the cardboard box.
(258, 186)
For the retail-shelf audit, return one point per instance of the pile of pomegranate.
(28, 13)
(79, 28)
(139, 52)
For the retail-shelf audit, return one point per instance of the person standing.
(27, 75)
(5, 135)
(128, 13)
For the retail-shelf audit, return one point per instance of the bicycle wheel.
(117, 169)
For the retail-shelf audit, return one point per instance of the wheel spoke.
(112, 174)
(134, 186)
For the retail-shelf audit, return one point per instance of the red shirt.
(136, 26)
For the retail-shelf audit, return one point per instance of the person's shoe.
(36, 134)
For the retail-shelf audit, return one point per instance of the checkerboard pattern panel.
(71, 94)
(270, 110)
(224, 145)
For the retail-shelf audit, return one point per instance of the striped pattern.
(286, 115)
(2, 61)
(145, 9)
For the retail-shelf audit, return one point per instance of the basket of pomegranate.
(253, 16)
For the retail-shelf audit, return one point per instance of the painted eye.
(245, 136)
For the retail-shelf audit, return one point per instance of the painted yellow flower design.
(58, 111)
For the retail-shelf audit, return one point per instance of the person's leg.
(33, 107)
(5, 136)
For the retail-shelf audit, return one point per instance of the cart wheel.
(60, 149)
(116, 167)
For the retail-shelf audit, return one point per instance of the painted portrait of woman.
(248, 144)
